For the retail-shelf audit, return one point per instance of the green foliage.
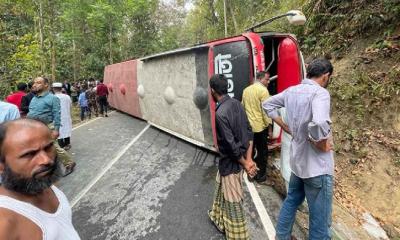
(338, 23)
(397, 159)
(364, 95)
(24, 63)
(75, 39)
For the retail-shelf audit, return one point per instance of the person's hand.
(285, 128)
(55, 134)
(325, 145)
(250, 168)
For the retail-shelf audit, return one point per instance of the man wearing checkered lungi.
(234, 137)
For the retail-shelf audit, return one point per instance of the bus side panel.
(169, 84)
(121, 81)
(289, 64)
(202, 94)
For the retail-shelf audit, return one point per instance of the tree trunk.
(53, 43)
(214, 18)
(74, 58)
(235, 25)
(42, 64)
(225, 23)
(110, 41)
(53, 61)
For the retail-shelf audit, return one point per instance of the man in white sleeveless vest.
(31, 207)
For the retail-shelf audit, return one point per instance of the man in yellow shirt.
(253, 97)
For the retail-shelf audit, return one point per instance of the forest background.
(74, 39)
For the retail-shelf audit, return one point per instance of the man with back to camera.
(31, 207)
(26, 100)
(234, 137)
(252, 99)
(102, 93)
(311, 157)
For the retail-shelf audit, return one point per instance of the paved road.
(133, 181)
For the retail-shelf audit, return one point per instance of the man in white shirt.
(31, 207)
(64, 140)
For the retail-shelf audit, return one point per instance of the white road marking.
(109, 165)
(262, 212)
(90, 121)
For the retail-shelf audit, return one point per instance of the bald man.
(31, 207)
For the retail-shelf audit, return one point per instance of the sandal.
(69, 169)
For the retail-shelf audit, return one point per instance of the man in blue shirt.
(46, 108)
(8, 112)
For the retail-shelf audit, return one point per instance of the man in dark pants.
(253, 97)
(102, 93)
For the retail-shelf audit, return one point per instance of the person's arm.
(248, 163)
(80, 99)
(8, 226)
(271, 107)
(319, 129)
(25, 104)
(231, 146)
(14, 114)
(278, 120)
(56, 111)
(70, 104)
(265, 96)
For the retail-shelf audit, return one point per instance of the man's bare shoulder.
(8, 224)
(15, 226)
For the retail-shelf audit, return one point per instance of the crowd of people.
(34, 140)
(35, 136)
(52, 105)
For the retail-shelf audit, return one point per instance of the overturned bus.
(170, 90)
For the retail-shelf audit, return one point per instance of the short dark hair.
(219, 84)
(21, 86)
(3, 132)
(101, 80)
(46, 80)
(319, 67)
(261, 75)
(30, 84)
